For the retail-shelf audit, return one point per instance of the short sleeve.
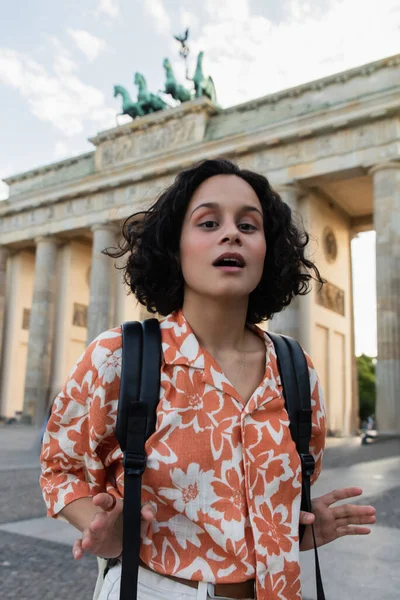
(79, 441)
(318, 432)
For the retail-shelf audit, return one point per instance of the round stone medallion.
(329, 245)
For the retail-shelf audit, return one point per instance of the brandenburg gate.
(331, 148)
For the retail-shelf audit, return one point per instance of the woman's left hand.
(332, 523)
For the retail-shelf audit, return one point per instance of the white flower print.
(192, 491)
(107, 363)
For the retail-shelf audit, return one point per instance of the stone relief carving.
(332, 298)
(109, 198)
(80, 315)
(365, 137)
(26, 317)
(150, 141)
(325, 145)
(261, 162)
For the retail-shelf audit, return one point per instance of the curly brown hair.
(151, 239)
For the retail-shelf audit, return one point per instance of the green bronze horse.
(203, 86)
(172, 87)
(128, 106)
(147, 101)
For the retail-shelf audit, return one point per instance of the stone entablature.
(51, 175)
(110, 195)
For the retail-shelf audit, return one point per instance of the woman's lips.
(232, 269)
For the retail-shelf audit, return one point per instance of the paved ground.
(35, 552)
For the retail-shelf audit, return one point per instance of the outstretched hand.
(331, 523)
(103, 537)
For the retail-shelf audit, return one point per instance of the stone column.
(4, 252)
(386, 185)
(37, 378)
(288, 320)
(102, 280)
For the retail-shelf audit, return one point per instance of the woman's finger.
(98, 523)
(87, 540)
(77, 551)
(306, 518)
(352, 530)
(352, 511)
(356, 520)
(340, 494)
(148, 512)
(105, 501)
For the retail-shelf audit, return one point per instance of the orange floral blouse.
(223, 475)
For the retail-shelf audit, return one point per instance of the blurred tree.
(366, 386)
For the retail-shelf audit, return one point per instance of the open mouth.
(229, 262)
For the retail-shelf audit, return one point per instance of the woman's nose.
(231, 235)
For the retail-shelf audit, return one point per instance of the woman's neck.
(219, 325)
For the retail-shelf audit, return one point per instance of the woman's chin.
(225, 294)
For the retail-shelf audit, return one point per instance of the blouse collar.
(181, 347)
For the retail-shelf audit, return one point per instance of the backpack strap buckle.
(307, 464)
(134, 462)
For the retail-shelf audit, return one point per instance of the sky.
(59, 62)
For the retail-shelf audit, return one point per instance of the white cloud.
(250, 56)
(89, 44)
(109, 8)
(156, 9)
(61, 150)
(227, 10)
(60, 98)
(188, 19)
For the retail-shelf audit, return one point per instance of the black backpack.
(136, 421)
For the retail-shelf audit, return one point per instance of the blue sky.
(60, 60)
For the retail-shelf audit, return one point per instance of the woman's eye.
(247, 227)
(208, 224)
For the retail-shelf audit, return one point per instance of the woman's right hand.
(103, 537)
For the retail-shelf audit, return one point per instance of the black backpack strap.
(138, 399)
(293, 369)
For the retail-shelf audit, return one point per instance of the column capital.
(292, 187)
(385, 166)
(109, 226)
(47, 238)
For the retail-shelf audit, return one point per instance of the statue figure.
(147, 101)
(203, 86)
(172, 87)
(182, 39)
(128, 106)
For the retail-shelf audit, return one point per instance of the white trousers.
(152, 586)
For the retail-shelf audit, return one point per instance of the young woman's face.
(222, 247)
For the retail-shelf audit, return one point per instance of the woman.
(217, 253)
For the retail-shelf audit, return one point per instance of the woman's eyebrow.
(215, 205)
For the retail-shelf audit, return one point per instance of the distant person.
(217, 253)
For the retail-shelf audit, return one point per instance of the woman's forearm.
(80, 513)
